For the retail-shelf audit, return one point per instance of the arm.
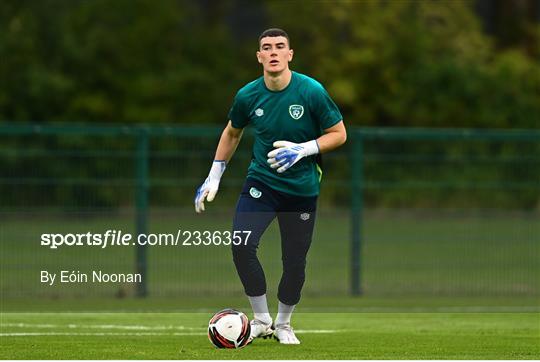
(288, 153)
(332, 138)
(229, 140)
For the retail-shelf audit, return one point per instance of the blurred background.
(110, 113)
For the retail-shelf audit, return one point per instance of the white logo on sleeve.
(296, 111)
(259, 112)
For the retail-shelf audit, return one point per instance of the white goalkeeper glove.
(288, 153)
(209, 188)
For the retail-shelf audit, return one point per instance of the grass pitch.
(478, 278)
(436, 328)
(323, 335)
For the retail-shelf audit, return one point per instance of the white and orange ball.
(229, 328)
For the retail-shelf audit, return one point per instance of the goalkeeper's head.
(275, 51)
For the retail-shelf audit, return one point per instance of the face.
(274, 54)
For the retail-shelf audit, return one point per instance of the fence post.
(141, 218)
(356, 210)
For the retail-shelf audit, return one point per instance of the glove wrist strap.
(311, 147)
(217, 169)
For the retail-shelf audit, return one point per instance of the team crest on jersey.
(259, 112)
(255, 193)
(296, 111)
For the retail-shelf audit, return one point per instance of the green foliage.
(422, 64)
(126, 61)
(386, 63)
(412, 63)
(406, 63)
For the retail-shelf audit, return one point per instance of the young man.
(294, 120)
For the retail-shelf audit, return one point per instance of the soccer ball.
(229, 328)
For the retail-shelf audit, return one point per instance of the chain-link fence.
(417, 212)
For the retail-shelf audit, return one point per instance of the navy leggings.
(257, 206)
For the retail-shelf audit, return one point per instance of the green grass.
(308, 304)
(323, 335)
(437, 287)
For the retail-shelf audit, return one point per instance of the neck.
(277, 81)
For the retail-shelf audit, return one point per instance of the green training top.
(298, 113)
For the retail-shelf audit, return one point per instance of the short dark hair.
(274, 32)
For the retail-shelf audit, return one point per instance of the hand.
(286, 153)
(210, 186)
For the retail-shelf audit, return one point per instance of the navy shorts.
(257, 207)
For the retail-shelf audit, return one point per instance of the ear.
(259, 57)
(291, 53)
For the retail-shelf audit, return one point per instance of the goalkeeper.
(294, 120)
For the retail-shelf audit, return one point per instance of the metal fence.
(402, 211)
